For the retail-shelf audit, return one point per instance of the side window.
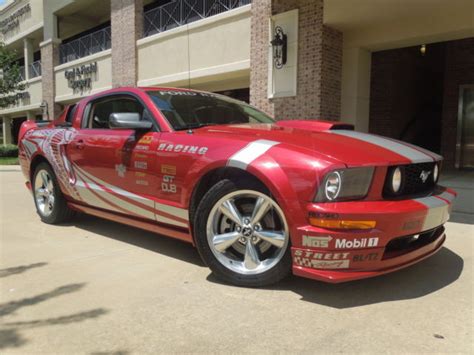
(100, 110)
(70, 113)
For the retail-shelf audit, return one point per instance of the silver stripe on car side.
(175, 211)
(412, 154)
(438, 212)
(250, 152)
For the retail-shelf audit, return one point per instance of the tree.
(10, 77)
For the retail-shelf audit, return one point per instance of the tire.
(49, 200)
(252, 253)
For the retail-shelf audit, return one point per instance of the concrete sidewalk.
(97, 287)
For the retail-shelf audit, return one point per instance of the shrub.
(8, 150)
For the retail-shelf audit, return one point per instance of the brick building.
(404, 69)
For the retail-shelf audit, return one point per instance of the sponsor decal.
(145, 140)
(140, 165)
(316, 255)
(316, 242)
(180, 148)
(120, 169)
(141, 182)
(141, 147)
(141, 156)
(321, 264)
(365, 257)
(357, 243)
(412, 224)
(167, 185)
(140, 174)
(324, 215)
(168, 169)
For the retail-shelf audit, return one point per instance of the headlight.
(332, 187)
(435, 173)
(345, 184)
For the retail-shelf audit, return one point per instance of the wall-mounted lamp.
(44, 109)
(279, 44)
(423, 49)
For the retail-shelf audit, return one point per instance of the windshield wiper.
(194, 126)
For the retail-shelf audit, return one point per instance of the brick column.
(319, 62)
(127, 28)
(49, 60)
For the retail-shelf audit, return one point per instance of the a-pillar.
(309, 85)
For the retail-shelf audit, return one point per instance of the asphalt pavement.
(98, 287)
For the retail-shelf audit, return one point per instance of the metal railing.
(180, 12)
(91, 43)
(35, 69)
(22, 73)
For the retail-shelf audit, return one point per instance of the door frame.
(457, 162)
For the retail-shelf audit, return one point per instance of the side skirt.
(151, 227)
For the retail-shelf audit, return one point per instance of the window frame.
(86, 114)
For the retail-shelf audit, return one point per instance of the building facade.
(397, 68)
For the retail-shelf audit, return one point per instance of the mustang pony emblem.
(424, 175)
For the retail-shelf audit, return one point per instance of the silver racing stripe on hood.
(407, 151)
(250, 152)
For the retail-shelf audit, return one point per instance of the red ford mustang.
(258, 198)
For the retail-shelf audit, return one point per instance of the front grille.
(412, 183)
(406, 244)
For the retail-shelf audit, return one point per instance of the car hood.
(331, 141)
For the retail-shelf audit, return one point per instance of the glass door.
(465, 131)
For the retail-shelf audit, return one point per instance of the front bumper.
(406, 232)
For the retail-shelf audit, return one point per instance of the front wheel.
(242, 235)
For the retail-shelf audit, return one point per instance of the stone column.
(7, 130)
(319, 62)
(127, 28)
(49, 60)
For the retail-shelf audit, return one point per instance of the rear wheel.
(50, 203)
(242, 234)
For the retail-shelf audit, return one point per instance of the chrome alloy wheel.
(44, 193)
(247, 232)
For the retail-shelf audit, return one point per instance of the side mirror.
(128, 120)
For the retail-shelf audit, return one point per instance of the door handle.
(80, 144)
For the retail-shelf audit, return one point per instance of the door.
(115, 168)
(465, 131)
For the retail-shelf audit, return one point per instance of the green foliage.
(8, 161)
(10, 78)
(9, 150)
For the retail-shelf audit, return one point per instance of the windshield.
(192, 109)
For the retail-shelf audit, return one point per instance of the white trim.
(194, 25)
(68, 97)
(30, 107)
(23, 34)
(49, 41)
(197, 73)
(89, 58)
